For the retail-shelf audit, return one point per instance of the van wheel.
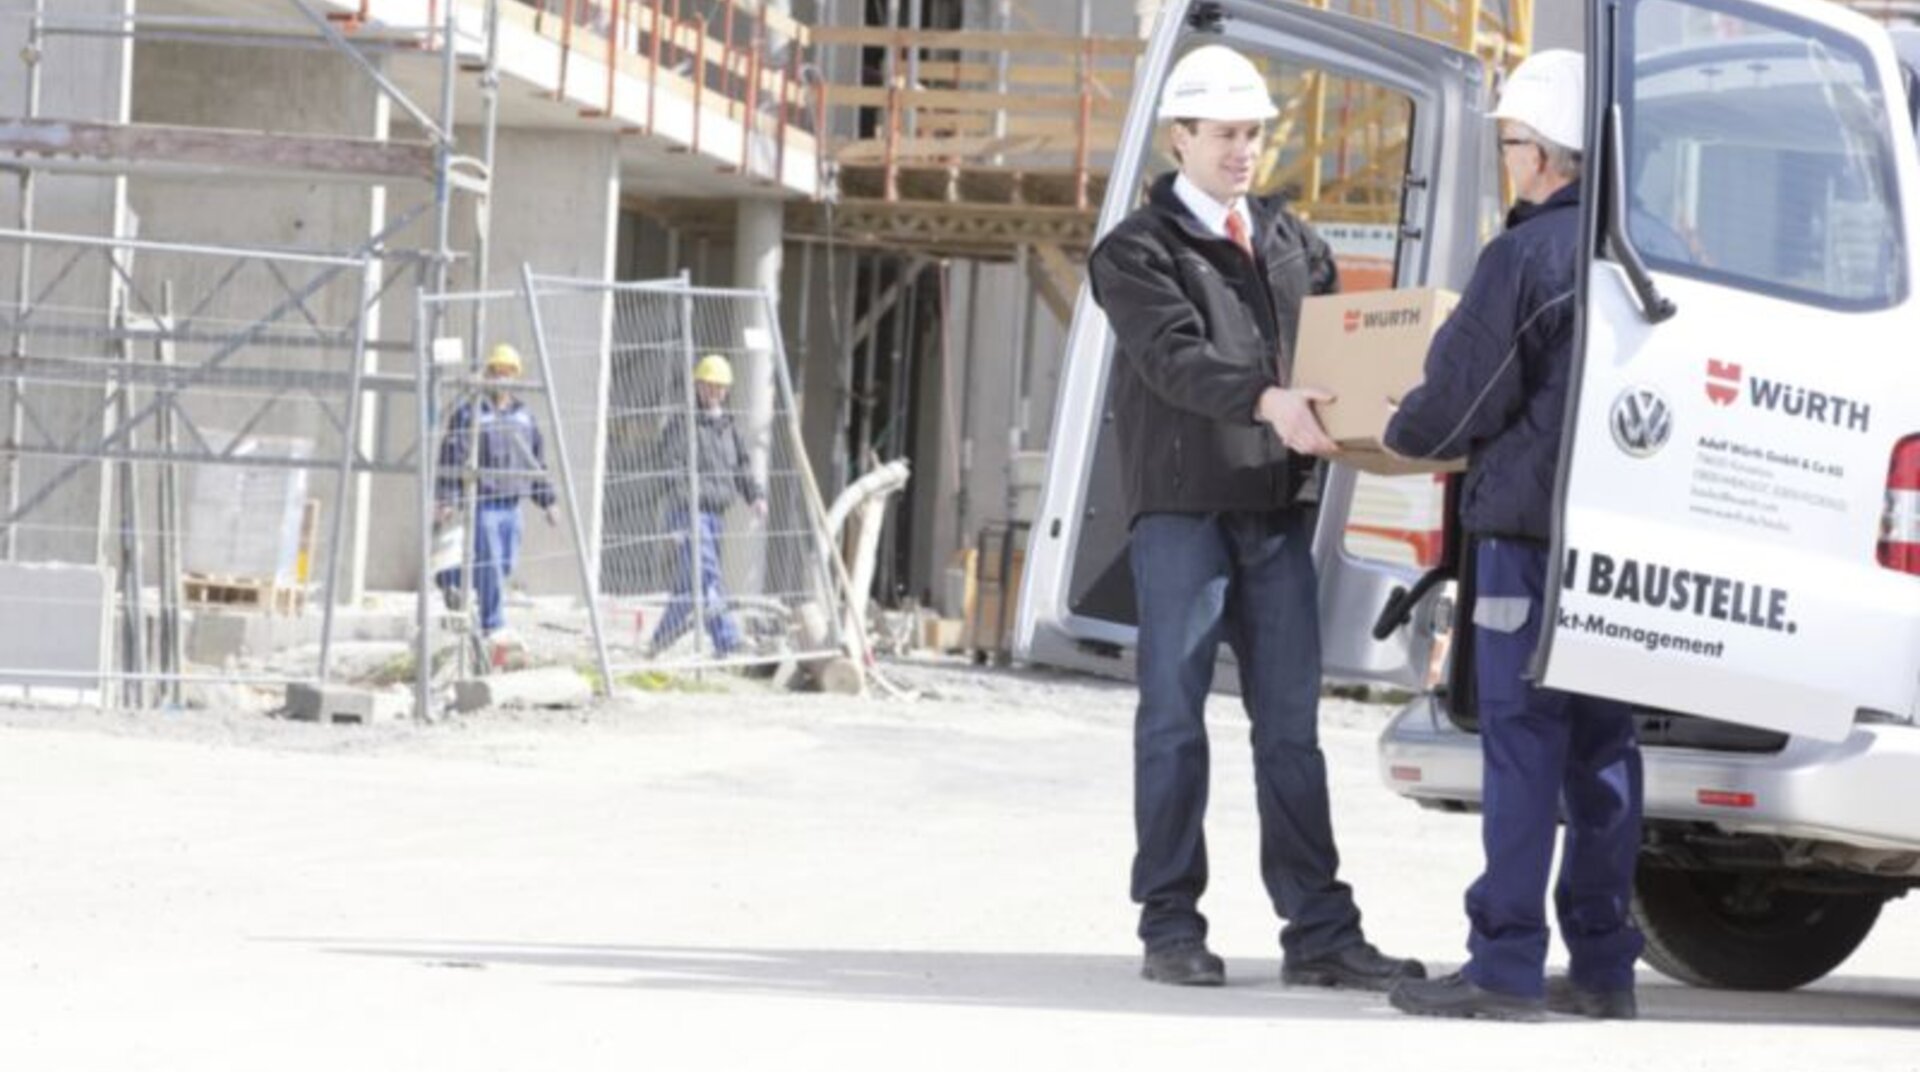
(1746, 932)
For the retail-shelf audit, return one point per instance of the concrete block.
(840, 676)
(215, 636)
(551, 686)
(58, 618)
(341, 703)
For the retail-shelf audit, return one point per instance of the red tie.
(1237, 230)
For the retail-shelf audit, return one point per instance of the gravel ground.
(722, 876)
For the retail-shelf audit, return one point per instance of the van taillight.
(1900, 525)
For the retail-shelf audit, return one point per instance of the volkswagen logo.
(1642, 421)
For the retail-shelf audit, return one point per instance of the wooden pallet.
(251, 592)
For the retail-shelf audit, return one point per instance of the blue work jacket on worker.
(511, 456)
(508, 464)
(1496, 377)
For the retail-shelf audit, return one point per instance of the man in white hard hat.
(1202, 286)
(1494, 393)
(499, 433)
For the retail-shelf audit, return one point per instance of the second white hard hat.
(1548, 92)
(1215, 82)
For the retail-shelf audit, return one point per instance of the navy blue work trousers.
(704, 571)
(1246, 579)
(1546, 751)
(496, 551)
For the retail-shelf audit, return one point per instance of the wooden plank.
(127, 146)
(980, 40)
(872, 151)
(1114, 81)
(971, 100)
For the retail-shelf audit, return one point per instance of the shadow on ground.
(1084, 983)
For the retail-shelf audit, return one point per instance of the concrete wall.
(303, 91)
(556, 207)
(83, 78)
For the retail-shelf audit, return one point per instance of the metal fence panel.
(711, 542)
(502, 531)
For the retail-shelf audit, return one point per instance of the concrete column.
(759, 231)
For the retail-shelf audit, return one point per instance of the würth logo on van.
(1723, 382)
(1383, 318)
(1791, 400)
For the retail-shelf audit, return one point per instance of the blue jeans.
(1246, 579)
(1545, 749)
(496, 549)
(713, 600)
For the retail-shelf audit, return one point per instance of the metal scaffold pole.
(30, 54)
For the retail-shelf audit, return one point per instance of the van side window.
(1758, 156)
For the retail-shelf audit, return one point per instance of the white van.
(1738, 531)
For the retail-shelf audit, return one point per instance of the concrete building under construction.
(916, 180)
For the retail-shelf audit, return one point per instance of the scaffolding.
(142, 373)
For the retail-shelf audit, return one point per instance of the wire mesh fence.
(182, 440)
(711, 546)
(503, 530)
(603, 477)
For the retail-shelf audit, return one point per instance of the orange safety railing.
(739, 69)
(974, 96)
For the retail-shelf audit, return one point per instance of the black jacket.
(725, 472)
(1496, 375)
(1200, 334)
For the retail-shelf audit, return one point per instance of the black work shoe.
(1185, 964)
(1357, 967)
(1457, 997)
(1571, 999)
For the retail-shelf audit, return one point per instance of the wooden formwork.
(1022, 125)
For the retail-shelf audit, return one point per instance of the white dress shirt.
(1211, 214)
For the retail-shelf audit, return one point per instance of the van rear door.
(1747, 399)
(1387, 198)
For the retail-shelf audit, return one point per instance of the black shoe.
(1357, 967)
(1571, 999)
(1185, 964)
(1456, 996)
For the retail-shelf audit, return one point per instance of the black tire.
(1746, 932)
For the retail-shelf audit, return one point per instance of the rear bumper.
(1857, 791)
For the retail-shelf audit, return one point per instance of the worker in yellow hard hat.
(724, 473)
(492, 456)
(503, 363)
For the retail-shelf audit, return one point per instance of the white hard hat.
(1548, 92)
(1215, 82)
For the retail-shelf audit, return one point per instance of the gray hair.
(1561, 161)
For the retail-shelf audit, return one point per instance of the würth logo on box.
(1723, 382)
(1384, 318)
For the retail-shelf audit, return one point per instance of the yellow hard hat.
(714, 369)
(504, 360)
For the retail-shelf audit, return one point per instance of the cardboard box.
(1367, 348)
